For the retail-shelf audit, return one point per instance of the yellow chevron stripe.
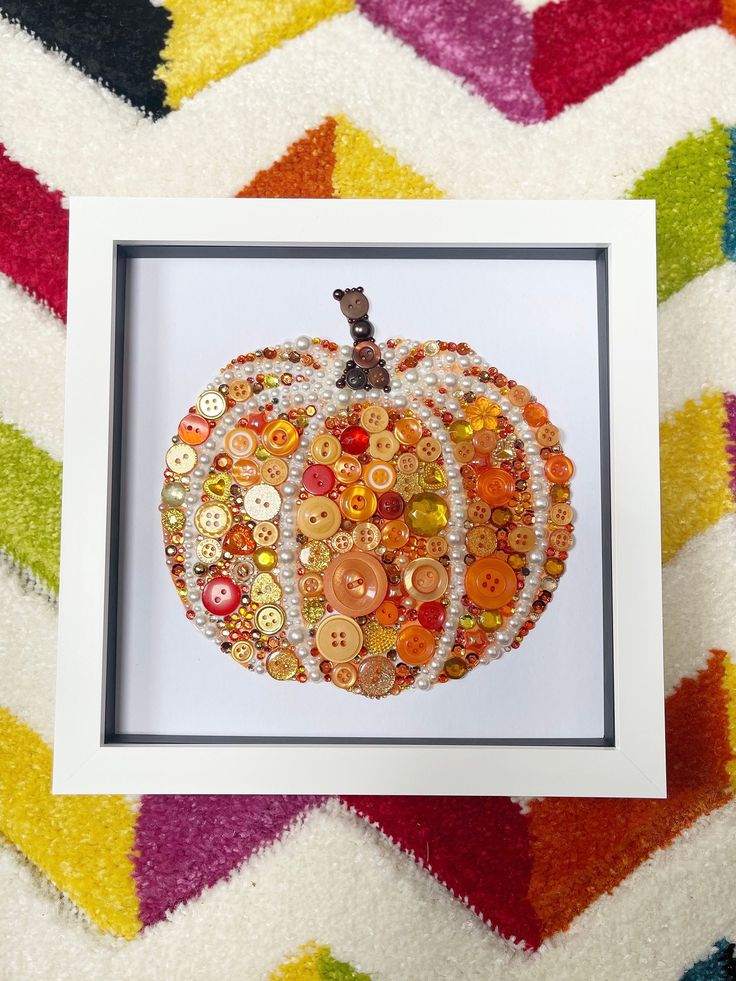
(694, 471)
(210, 39)
(729, 684)
(364, 169)
(83, 844)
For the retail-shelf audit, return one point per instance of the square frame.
(102, 233)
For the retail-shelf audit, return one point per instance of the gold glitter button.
(242, 652)
(339, 638)
(265, 533)
(172, 519)
(282, 664)
(428, 449)
(313, 609)
(325, 449)
(481, 540)
(265, 589)
(366, 536)
(374, 419)
(479, 513)
(344, 675)
(262, 502)
(316, 556)
(209, 550)
(436, 546)
(383, 446)
(310, 585)
(181, 458)
(280, 437)
(318, 518)
(425, 579)
(376, 675)
(274, 471)
(407, 463)
(240, 390)
(560, 514)
(379, 639)
(212, 520)
(269, 618)
(211, 404)
(342, 541)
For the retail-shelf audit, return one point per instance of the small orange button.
(395, 534)
(558, 468)
(387, 613)
(358, 502)
(347, 468)
(355, 583)
(408, 431)
(339, 639)
(496, 486)
(490, 583)
(485, 441)
(415, 644)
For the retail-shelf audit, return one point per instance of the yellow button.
(425, 579)
(282, 664)
(339, 638)
(408, 431)
(181, 458)
(318, 518)
(366, 536)
(274, 471)
(374, 419)
(407, 463)
(379, 476)
(242, 652)
(383, 446)
(269, 619)
(262, 502)
(280, 437)
(316, 556)
(344, 676)
(211, 404)
(325, 449)
(428, 449)
(212, 520)
(265, 533)
(347, 468)
(357, 503)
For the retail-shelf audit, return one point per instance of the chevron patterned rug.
(374, 98)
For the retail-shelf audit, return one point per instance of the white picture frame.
(631, 763)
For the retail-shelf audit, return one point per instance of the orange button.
(310, 584)
(484, 441)
(560, 539)
(535, 414)
(496, 486)
(339, 638)
(425, 579)
(245, 473)
(379, 476)
(415, 644)
(355, 583)
(318, 518)
(366, 536)
(479, 513)
(408, 431)
(558, 468)
(464, 452)
(518, 395)
(344, 675)
(347, 468)
(280, 437)
(240, 442)
(274, 471)
(436, 546)
(560, 514)
(547, 435)
(395, 534)
(387, 613)
(358, 502)
(428, 449)
(521, 539)
(490, 583)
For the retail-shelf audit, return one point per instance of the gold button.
(344, 675)
(318, 518)
(479, 513)
(518, 395)
(240, 390)
(560, 514)
(265, 589)
(374, 419)
(269, 618)
(242, 652)
(325, 449)
(436, 546)
(310, 585)
(282, 664)
(357, 502)
(408, 430)
(481, 540)
(428, 449)
(209, 550)
(383, 446)
(274, 471)
(425, 579)
(560, 539)
(342, 541)
(339, 638)
(521, 539)
(316, 556)
(347, 468)
(211, 404)
(212, 520)
(280, 437)
(376, 675)
(262, 502)
(407, 463)
(181, 458)
(265, 533)
(366, 536)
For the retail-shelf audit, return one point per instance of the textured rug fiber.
(374, 98)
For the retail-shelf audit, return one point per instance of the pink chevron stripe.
(184, 844)
(33, 234)
(729, 401)
(488, 43)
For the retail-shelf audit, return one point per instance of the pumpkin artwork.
(380, 520)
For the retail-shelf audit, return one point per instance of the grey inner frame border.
(124, 251)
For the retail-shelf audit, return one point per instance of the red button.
(354, 440)
(432, 615)
(318, 479)
(390, 505)
(221, 596)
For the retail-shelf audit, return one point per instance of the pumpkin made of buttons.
(380, 541)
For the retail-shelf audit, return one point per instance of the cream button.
(211, 404)
(407, 463)
(479, 513)
(212, 520)
(274, 471)
(366, 536)
(240, 390)
(310, 584)
(339, 638)
(425, 579)
(374, 419)
(325, 449)
(521, 539)
(262, 502)
(436, 546)
(265, 533)
(209, 550)
(383, 446)
(428, 449)
(344, 675)
(269, 618)
(342, 541)
(181, 458)
(318, 518)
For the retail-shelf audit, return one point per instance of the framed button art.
(364, 499)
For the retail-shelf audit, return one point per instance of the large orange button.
(490, 583)
(339, 639)
(496, 486)
(280, 437)
(425, 579)
(355, 583)
(415, 644)
(318, 518)
(558, 468)
(358, 502)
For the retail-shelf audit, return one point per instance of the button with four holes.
(339, 638)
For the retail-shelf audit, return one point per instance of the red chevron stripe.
(582, 45)
(33, 234)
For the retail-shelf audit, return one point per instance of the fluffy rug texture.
(374, 98)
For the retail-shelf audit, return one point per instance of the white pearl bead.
(303, 343)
